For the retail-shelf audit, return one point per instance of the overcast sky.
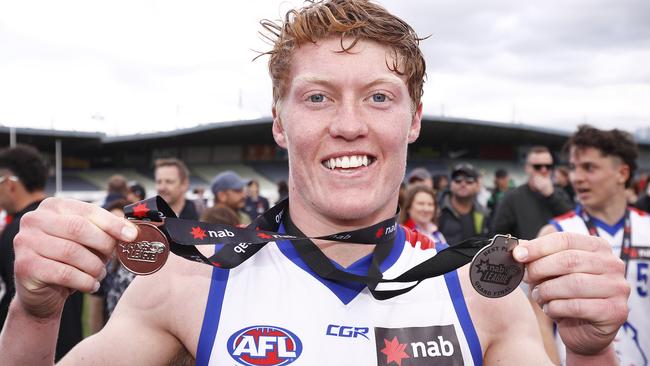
(139, 66)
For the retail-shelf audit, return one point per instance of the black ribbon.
(239, 244)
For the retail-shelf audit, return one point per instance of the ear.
(278, 131)
(624, 172)
(416, 124)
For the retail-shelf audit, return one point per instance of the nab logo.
(418, 346)
(264, 345)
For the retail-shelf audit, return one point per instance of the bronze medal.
(147, 253)
(493, 271)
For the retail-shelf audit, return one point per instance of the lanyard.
(626, 244)
(240, 244)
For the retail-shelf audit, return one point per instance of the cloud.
(169, 64)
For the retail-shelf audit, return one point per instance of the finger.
(114, 226)
(73, 254)
(43, 272)
(78, 229)
(597, 311)
(528, 251)
(579, 286)
(573, 261)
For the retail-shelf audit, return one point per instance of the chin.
(354, 209)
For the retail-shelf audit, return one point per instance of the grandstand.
(247, 147)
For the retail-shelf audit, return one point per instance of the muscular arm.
(506, 327)
(62, 247)
(157, 320)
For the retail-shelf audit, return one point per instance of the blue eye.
(317, 98)
(379, 98)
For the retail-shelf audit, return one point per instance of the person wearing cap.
(501, 186)
(172, 182)
(461, 216)
(527, 208)
(419, 176)
(228, 190)
(136, 192)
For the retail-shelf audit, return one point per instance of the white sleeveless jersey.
(273, 310)
(632, 342)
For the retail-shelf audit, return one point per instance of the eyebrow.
(326, 81)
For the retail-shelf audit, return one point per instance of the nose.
(348, 122)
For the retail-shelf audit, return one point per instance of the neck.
(177, 207)
(27, 199)
(611, 212)
(314, 223)
(462, 205)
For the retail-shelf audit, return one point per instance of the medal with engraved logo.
(493, 271)
(147, 253)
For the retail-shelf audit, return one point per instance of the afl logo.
(264, 345)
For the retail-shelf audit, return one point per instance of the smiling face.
(346, 121)
(422, 209)
(596, 178)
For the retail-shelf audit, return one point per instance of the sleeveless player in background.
(602, 165)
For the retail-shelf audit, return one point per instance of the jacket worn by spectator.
(523, 212)
(456, 227)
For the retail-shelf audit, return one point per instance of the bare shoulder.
(174, 298)
(503, 325)
(548, 229)
(157, 320)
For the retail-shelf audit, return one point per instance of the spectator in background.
(228, 190)
(255, 204)
(461, 216)
(200, 201)
(172, 182)
(117, 189)
(103, 302)
(441, 186)
(23, 174)
(419, 212)
(136, 192)
(283, 190)
(562, 181)
(501, 186)
(220, 214)
(419, 176)
(525, 209)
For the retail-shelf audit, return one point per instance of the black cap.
(501, 173)
(464, 169)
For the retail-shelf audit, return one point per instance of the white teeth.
(353, 161)
(347, 162)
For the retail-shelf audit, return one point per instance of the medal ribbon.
(627, 234)
(239, 244)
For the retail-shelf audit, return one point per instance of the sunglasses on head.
(539, 167)
(461, 178)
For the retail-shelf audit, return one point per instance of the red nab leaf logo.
(394, 351)
(264, 236)
(380, 232)
(140, 210)
(198, 233)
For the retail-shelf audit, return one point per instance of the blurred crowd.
(449, 207)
